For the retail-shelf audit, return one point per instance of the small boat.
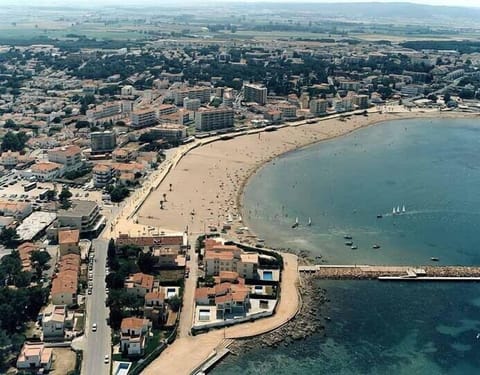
(309, 221)
(347, 237)
(403, 209)
(398, 209)
(376, 246)
(348, 243)
(296, 223)
(394, 211)
(354, 247)
(327, 318)
(478, 336)
(434, 259)
(379, 216)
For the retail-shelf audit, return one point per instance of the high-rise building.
(102, 142)
(143, 117)
(201, 93)
(211, 119)
(255, 93)
(318, 106)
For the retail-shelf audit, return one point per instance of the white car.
(106, 358)
(94, 327)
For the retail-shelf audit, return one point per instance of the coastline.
(214, 161)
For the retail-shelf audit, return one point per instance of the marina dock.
(393, 273)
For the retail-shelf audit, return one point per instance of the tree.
(10, 124)
(111, 250)
(9, 237)
(14, 141)
(64, 197)
(39, 261)
(175, 303)
(51, 195)
(146, 262)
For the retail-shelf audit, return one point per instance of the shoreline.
(394, 116)
(228, 170)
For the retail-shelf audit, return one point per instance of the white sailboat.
(398, 209)
(309, 221)
(403, 209)
(393, 211)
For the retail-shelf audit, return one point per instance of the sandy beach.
(207, 182)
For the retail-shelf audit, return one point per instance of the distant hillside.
(380, 10)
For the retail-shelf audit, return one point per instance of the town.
(89, 128)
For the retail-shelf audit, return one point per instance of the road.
(98, 343)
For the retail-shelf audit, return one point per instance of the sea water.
(430, 166)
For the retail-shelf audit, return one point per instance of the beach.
(204, 189)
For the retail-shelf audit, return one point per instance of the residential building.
(102, 142)
(154, 308)
(18, 210)
(230, 300)
(102, 175)
(70, 157)
(230, 258)
(318, 106)
(104, 111)
(68, 241)
(35, 356)
(191, 104)
(175, 240)
(46, 171)
(166, 109)
(213, 119)
(82, 215)
(64, 288)
(139, 284)
(134, 332)
(255, 93)
(361, 101)
(170, 132)
(143, 117)
(201, 93)
(55, 319)
(288, 110)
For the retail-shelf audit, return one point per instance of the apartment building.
(46, 171)
(82, 215)
(212, 119)
(219, 258)
(141, 118)
(318, 106)
(18, 210)
(255, 93)
(200, 93)
(102, 175)
(55, 320)
(64, 288)
(104, 111)
(102, 142)
(288, 110)
(70, 157)
(68, 241)
(170, 132)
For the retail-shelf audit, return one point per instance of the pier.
(393, 273)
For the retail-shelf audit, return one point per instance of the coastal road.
(98, 343)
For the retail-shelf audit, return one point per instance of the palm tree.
(170, 187)
(161, 205)
(165, 197)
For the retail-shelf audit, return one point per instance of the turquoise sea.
(430, 166)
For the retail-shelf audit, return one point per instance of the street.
(98, 343)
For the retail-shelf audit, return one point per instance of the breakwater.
(429, 273)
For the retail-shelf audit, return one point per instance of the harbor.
(393, 273)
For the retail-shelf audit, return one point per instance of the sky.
(471, 3)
